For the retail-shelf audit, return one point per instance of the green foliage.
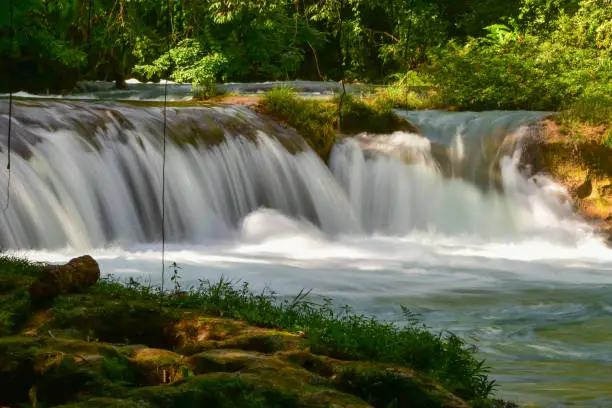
(592, 110)
(314, 120)
(607, 141)
(336, 332)
(14, 310)
(187, 63)
(213, 391)
(359, 115)
(318, 120)
(387, 389)
(133, 313)
(532, 64)
(15, 307)
(119, 370)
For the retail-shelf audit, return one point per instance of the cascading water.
(90, 175)
(447, 224)
(390, 196)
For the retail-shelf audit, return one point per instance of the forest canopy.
(536, 54)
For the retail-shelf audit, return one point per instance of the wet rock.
(75, 276)
(583, 166)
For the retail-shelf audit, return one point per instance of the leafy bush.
(187, 63)
(508, 75)
(523, 66)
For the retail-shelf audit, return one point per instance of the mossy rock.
(331, 399)
(116, 321)
(268, 342)
(215, 390)
(194, 328)
(582, 165)
(107, 403)
(320, 365)
(58, 369)
(227, 361)
(17, 374)
(157, 366)
(246, 338)
(394, 388)
(381, 385)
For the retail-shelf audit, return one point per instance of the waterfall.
(89, 175)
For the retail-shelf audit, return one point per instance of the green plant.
(313, 120)
(176, 277)
(317, 121)
(337, 332)
(119, 370)
(187, 63)
(387, 389)
(608, 139)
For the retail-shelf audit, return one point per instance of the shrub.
(187, 63)
(313, 120)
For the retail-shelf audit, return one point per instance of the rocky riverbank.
(580, 160)
(69, 339)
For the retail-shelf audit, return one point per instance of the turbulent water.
(447, 224)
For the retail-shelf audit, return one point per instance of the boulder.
(54, 280)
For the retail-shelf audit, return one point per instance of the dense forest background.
(518, 54)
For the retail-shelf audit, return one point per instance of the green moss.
(58, 369)
(16, 273)
(135, 321)
(107, 403)
(376, 117)
(388, 389)
(318, 121)
(215, 390)
(227, 361)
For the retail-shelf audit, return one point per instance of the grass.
(15, 274)
(133, 313)
(591, 110)
(588, 119)
(334, 332)
(313, 120)
(403, 97)
(319, 121)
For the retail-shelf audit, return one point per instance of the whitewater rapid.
(447, 224)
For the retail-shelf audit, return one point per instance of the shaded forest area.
(519, 54)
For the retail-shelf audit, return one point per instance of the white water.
(513, 267)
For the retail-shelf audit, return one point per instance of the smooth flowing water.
(445, 224)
